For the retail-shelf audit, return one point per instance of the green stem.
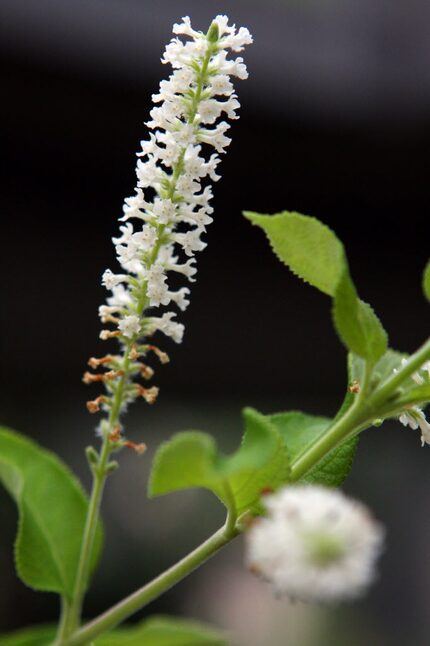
(347, 425)
(63, 628)
(230, 524)
(71, 614)
(141, 597)
(415, 361)
(361, 414)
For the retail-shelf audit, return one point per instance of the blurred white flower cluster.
(171, 208)
(315, 544)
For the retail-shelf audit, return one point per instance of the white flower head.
(315, 544)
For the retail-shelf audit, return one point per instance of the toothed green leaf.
(190, 459)
(248, 482)
(306, 245)
(300, 431)
(52, 509)
(356, 322)
(313, 252)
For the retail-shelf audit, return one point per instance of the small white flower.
(216, 136)
(188, 269)
(166, 325)
(145, 239)
(129, 325)
(180, 299)
(185, 28)
(128, 253)
(415, 418)
(315, 544)
(132, 206)
(221, 85)
(164, 211)
(120, 298)
(190, 241)
(127, 232)
(110, 280)
(105, 311)
(158, 294)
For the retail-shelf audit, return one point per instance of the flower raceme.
(170, 209)
(315, 544)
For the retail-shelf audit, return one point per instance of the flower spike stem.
(71, 613)
(137, 600)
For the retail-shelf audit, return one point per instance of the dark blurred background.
(335, 123)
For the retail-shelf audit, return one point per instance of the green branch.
(141, 597)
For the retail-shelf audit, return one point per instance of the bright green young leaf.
(309, 248)
(190, 459)
(300, 431)
(261, 463)
(314, 253)
(426, 281)
(52, 509)
(156, 631)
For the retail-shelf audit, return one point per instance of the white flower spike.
(315, 544)
(168, 214)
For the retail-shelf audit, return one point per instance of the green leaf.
(261, 463)
(391, 361)
(52, 509)
(164, 631)
(309, 248)
(156, 631)
(191, 459)
(300, 431)
(356, 322)
(426, 281)
(34, 636)
(314, 253)
(187, 460)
